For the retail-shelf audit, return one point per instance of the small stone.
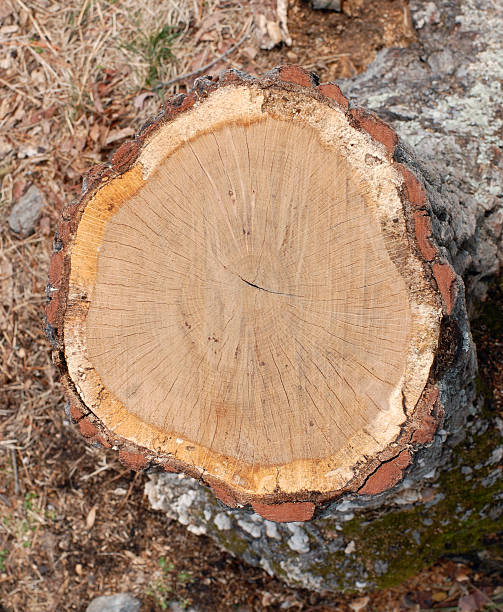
(197, 529)
(327, 5)
(119, 491)
(380, 567)
(122, 602)
(428, 15)
(350, 548)
(496, 456)
(176, 606)
(26, 211)
(253, 530)
(442, 62)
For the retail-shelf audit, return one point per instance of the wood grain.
(246, 301)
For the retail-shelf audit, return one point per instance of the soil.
(76, 81)
(340, 45)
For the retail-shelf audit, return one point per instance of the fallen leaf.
(115, 135)
(96, 99)
(4, 108)
(18, 189)
(5, 147)
(9, 29)
(94, 132)
(463, 574)
(45, 226)
(250, 51)
(267, 599)
(140, 99)
(5, 10)
(208, 24)
(6, 282)
(91, 517)
(473, 602)
(439, 596)
(359, 604)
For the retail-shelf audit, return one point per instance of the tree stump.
(252, 293)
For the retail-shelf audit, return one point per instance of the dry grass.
(75, 80)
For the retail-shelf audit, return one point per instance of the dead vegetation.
(76, 78)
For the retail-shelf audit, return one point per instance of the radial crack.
(268, 290)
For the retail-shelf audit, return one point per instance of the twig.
(131, 485)
(195, 73)
(5, 500)
(17, 488)
(43, 34)
(20, 92)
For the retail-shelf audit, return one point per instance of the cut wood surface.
(251, 293)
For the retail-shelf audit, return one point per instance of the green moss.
(405, 541)
(231, 541)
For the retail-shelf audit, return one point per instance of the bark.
(443, 97)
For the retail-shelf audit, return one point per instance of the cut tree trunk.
(451, 499)
(252, 294)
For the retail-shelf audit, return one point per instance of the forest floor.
(76, 79)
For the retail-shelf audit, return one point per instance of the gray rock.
(443, 61)
(26, 211)
(122, 602)
(329, 5)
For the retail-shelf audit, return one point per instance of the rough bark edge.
(387, 468)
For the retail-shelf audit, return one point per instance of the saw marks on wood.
(246, 298)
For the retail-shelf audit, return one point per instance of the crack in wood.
(269, 290)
